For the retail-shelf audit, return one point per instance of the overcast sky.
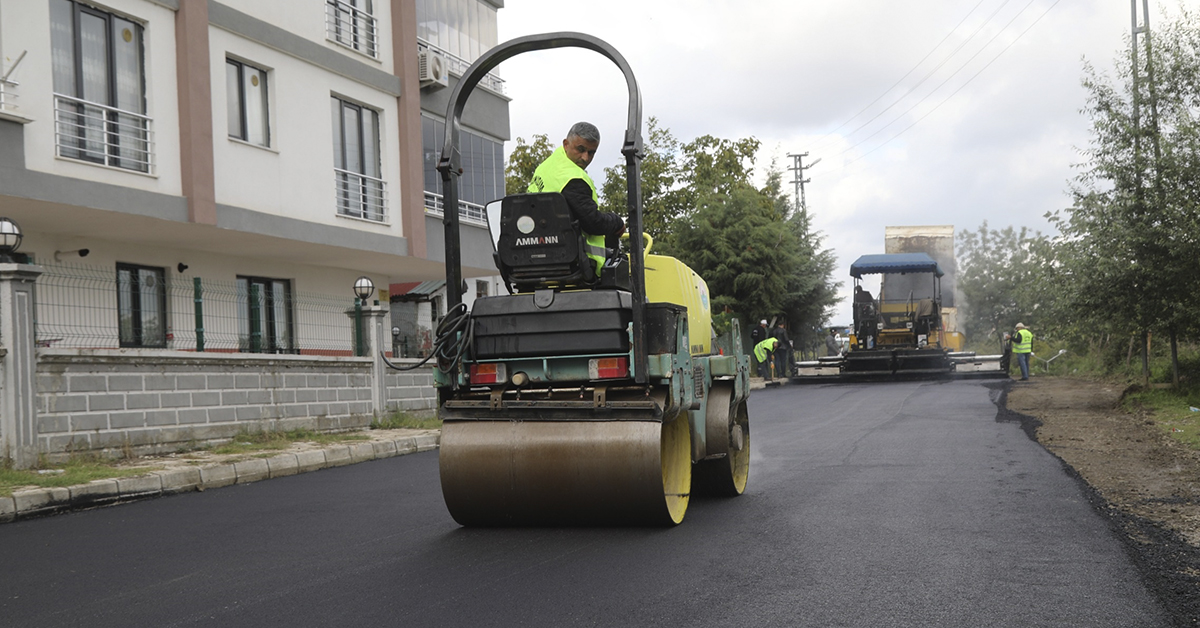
(926, 112)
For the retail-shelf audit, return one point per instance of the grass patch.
(74, 472)
(404, 420)
(1172, 412)
(252, 442)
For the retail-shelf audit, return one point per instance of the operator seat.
(541, 246)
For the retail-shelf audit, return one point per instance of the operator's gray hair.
(585, 130)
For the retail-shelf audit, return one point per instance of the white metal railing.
(351, 27)
(360, 196)
(458, 65)
(103, 135)
(8, 95)
(468, 212)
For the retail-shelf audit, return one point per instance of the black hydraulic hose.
(454, 338)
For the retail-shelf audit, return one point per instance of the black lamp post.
(363, 289)
(10, 239)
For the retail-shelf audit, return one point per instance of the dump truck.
(582, 397)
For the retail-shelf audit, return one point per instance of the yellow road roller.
(584, 396)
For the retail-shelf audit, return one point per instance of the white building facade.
(199, 184)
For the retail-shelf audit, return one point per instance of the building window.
(481, 289)
(99, 87)
(351, 23)
(360, 191)
(246, 102)
(265, 322)
(141, 306)
(482, 179)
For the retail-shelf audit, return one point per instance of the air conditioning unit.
(432, 69)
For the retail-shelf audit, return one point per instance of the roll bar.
(450, 167)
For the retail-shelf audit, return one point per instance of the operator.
(563, 172)
(764, 352)
(1022, 346)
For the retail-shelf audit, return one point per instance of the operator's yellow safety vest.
(553, 175)
(1024, 342)
(761, 349)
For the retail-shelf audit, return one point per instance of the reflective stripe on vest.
(553, 175)
(1024, 343)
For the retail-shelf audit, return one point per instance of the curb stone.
(39, 502)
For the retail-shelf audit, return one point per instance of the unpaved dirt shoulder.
(1147, 484)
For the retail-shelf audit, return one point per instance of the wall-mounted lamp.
(10, 239)
(181, 267)
(364, 288)
(58, 255)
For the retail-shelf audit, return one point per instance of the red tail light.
(488, 374)
(608, 368)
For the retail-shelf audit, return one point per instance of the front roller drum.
(509, 473)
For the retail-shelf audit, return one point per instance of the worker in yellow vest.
(763, 351)
(564, 172)
(1023, 346)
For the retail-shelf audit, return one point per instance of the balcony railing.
(8, 96)
(467, 212)
(457, 65)
(351, 27)
(103, 135)
(360, 196)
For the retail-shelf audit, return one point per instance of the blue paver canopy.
(894, 263)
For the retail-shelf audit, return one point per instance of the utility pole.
(1142, 211)
(798, 169)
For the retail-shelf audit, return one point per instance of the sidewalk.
(199, 471)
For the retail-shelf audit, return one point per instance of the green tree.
(1001, 277)
(664, 203)
(523, 160)
(1130, 241)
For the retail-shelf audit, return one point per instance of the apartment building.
(199, 184)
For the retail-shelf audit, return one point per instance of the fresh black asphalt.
(882, 504)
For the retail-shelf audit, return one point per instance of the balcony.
(8, 96)
(360, 196)
(351, 27)
(103, 135)
(467, 212)
(458, 66)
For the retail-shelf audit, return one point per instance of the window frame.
(138, 340)
(349, 36)
(347, 205)
(242, 103)
(77, 144)
(267, 316)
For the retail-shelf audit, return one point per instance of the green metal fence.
(96, 307)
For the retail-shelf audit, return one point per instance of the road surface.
(895, 504)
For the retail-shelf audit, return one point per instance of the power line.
(932, 71)
(952, 75)
(910, 71)
(967, 82)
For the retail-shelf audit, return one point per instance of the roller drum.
(522, 472)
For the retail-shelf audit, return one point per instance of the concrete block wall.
(411, 391)
(136, 402)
